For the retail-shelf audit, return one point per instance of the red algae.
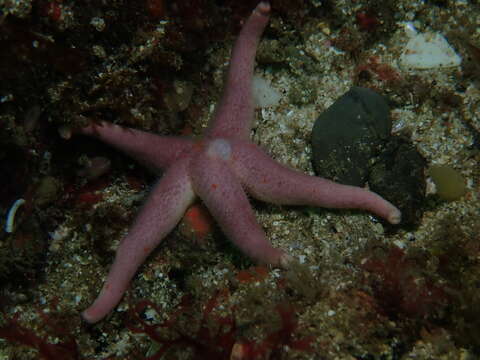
(156, 8)
(382, 71)
(253, 274)
(367, 21)
(15, 332)
(400, 287)
(217, 335)
(52, 9)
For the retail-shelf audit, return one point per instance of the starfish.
(219, 169)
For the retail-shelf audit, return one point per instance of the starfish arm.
(216, 184)
(158, 216)
(234, 113)
(267, 180)
(154, 151)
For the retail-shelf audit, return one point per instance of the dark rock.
(399, 177)
(349, 134)
(352, 145)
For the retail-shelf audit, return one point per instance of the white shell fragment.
(264, 94)
(11, 215)
(428, 51)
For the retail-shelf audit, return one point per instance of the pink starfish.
(219, 169)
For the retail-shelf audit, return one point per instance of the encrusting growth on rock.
(218, 169)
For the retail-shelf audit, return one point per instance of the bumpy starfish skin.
(218, 169)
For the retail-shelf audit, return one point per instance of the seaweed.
(217, 336)
(67, 349)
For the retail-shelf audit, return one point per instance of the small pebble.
(449, 182)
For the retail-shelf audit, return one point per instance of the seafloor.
(360, 290)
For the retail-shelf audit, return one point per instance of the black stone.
(349, 134)
(351, 144)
